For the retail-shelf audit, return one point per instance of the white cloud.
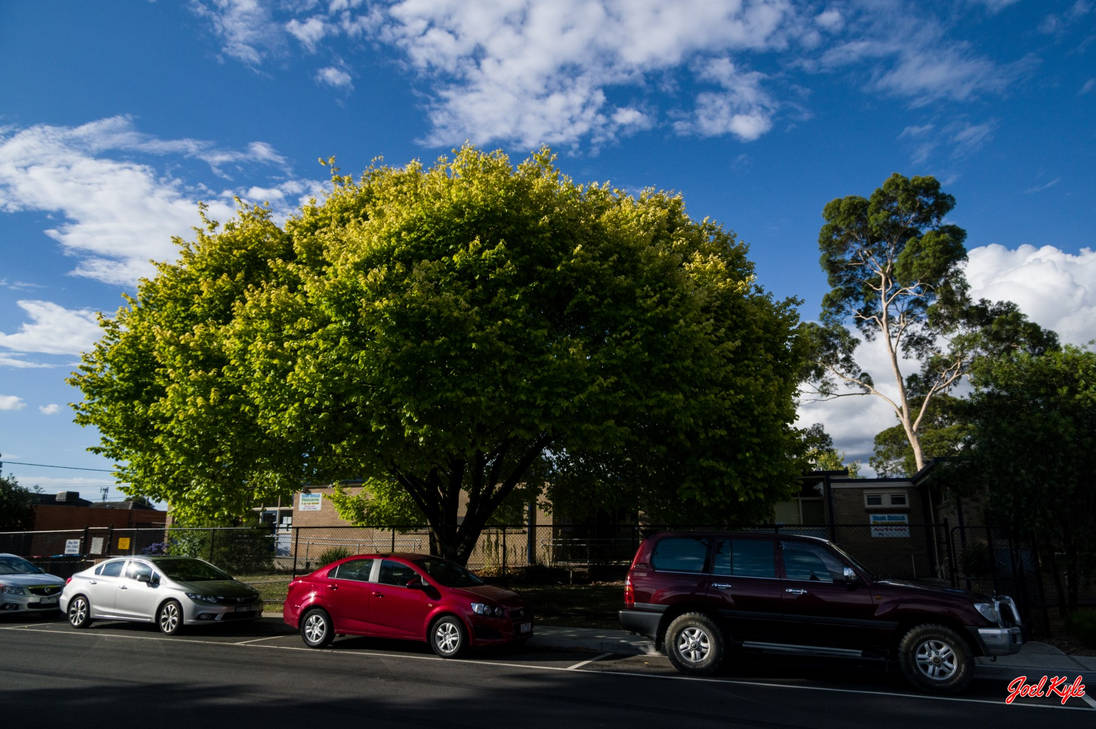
(1054, 288)
(53, 329)
(1088, 87)
(995, 6)
(11, 402)
(309, 33)
(51, 409)
(244, 26)
(1044, 186)
(335, 77)
(18, 362)
(114, 214)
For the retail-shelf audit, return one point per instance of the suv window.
(355, 569)
(809, 562)
(745, 558)
(680, 554)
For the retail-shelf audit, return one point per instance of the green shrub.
(242, 550)
(1082, 624)
(332, 554)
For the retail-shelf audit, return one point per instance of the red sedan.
(409, 596)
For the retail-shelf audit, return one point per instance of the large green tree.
(894, 265)
(1032, 450)
(439, 332)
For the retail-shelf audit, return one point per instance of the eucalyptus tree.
(895, 269)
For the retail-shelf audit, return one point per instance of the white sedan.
(25, 588)
(168, 591)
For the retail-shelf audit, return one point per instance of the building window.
(885, 499)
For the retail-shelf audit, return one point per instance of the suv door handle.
(721, 585)
(795, 591)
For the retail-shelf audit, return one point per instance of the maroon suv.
(410, 596)
(697, 594)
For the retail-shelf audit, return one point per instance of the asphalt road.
(118, 675)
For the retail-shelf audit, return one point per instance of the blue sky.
(117, 118)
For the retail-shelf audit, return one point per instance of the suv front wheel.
(694, 644)
(936, 658)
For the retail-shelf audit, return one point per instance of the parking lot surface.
(116, 673)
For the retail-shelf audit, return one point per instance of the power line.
(67, 468)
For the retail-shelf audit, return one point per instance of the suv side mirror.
(849, 576)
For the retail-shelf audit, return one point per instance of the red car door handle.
(378, 594)
(332, 587)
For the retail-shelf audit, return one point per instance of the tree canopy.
(16, 505)
(1032, 449)
(438, 333)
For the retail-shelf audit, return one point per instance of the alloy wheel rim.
(936, 660)
(77, 612)
(169, 618)
(447, 637)
(693, 644)
(315, 628)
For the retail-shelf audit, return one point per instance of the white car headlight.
(207, 599)
(988, 610)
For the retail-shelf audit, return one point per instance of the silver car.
(25, 588)
(168, 591)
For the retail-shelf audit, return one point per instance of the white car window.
(110, 569)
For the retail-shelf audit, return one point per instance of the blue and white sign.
(890, 525)
(310, 502)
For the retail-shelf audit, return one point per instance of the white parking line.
(583, 663)
(256, 640)
(575, 668)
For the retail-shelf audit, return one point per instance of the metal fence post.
(212, 539)
(296, 542)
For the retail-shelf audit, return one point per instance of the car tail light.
(629, 593)
(68, 580)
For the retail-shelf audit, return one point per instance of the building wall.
(48, 517)
(898, 549)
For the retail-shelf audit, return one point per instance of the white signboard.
(96, 545)
(310, 502)
(72, 546)
(890, 525)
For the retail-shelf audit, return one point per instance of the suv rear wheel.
(935, 658)
(694, 644)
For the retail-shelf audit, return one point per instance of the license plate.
(48, 601)
(525, 628)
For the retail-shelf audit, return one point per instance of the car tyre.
(79, 612)
(447, 636)
(169, 618)
(936, 658)
(694, 644)
(317, 631)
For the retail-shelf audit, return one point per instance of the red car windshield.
(448, 573)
